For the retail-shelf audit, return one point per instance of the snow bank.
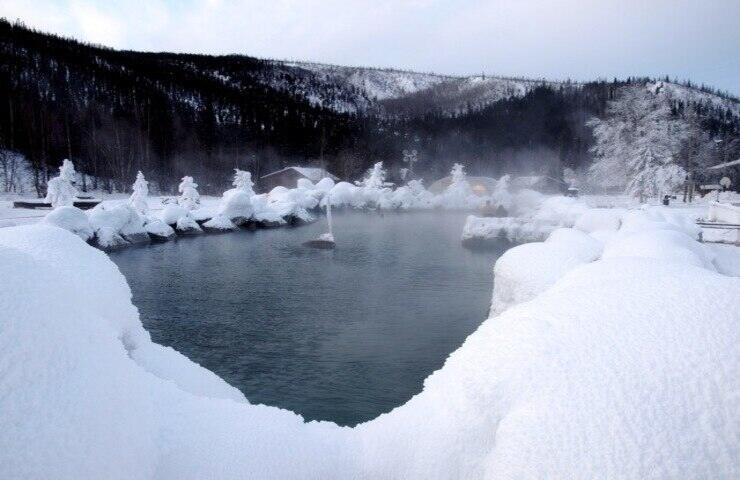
(600, 219)
(525, 271)
(624, 367)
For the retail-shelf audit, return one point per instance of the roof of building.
(312, 173)
(725, 165)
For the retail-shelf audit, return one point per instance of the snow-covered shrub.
(60, 191)
(140, 194)
(189, 197)
(72, 219)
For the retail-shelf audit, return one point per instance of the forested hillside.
(116, 112)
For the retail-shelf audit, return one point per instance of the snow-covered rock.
(219, 223)
(117, 225)
(72, 219)
(481, 231)
(158, 230)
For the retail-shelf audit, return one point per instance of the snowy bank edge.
(161, 387)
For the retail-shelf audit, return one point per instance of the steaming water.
(340, 335)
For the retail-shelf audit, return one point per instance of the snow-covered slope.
(376, 83)
(459, 95)
(690, 95)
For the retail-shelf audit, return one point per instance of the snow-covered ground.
(611, 352)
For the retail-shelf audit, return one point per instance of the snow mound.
(72, 219)
(525, 271)
(598, 219)
(560, 211)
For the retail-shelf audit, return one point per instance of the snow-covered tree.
(638, 143)
(459, 194)
(60, 190)
(189, 196)
(375, 178)
(458, 174)
(243, 181)
(140, 193)
(410, 157)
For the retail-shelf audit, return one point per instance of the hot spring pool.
(341, 335)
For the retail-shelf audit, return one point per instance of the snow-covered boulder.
(186, 225)
(158, 230)
(180, 219)
(117, 225)
(491, 231)
(72, 219)
(219, 223)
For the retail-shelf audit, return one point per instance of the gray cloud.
(554, 39)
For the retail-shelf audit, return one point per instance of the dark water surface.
(341, 335)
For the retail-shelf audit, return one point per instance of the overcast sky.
(557, 39)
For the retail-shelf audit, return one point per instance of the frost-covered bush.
(140, 194)
(189, 197)
(60, 191)
(72, 219)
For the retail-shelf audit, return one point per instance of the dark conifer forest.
(115, 112)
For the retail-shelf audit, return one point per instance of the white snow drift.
(620, 367)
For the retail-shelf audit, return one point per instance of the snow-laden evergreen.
(140, 194)
(60, 191)
(189, 196)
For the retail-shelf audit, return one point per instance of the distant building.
(482, 186)
(288, 177)
(539, 183)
